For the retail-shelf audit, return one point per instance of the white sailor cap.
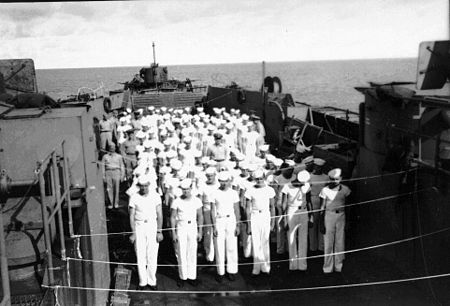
(147, 144)
(123, 119)
(187, 139)
(319, 161)
(171, 154)
(211, 163)
(224, 176)
(211, 127)
(245, 117)
(197, 153)
(140, 134)
(151, 107)
(239, 156)
(163, 109)
(143, 180)
(252, 167)
(210, 171)
(335, 173)
(308, 159)
(167, 142)
(229, 125)
(186, 183)
(200, 109)
(270, 158)
(216, 110)
(264, 148)
(176, 164)
(128, 110)
(303, 176)
(244, 165)
(258, 174)
(278, 162)
(289, 162)
(187, 109)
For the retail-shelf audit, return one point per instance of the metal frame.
(52, 162)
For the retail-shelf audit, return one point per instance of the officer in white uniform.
(333, 205)
(261, 209)
(146, 223)
(224, 215)
(296, 204)
(187, 221)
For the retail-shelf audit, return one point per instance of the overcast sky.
(104, 34)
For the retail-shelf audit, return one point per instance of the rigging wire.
(283, 260)
(353, 285)
(272, 217)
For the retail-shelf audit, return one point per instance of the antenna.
(154, 55)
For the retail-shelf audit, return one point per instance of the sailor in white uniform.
(224, 215)
(146, 223)
(296, 204)
(187, 221)
(333, 205)
(261, 209)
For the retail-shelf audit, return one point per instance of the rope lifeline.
(281, 260)
(354, 285)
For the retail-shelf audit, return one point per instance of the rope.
(284, 260)
(354, 285)
(272, 217)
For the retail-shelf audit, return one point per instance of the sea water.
(319, 83)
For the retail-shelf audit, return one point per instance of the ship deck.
(359, 268)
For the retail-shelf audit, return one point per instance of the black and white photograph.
(241, 152)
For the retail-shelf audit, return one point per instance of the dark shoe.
(231, 277)
(219, 278)
(193, 282)
(180, 283)
(153, 288)
(141, 288)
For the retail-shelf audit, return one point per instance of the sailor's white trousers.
(146, 248)
(226, 245)
(187, 249)
(260, 226)
(297, 238)
(334, 240)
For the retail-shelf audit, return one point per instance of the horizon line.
(235, 63)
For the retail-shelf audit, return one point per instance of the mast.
(154, 55)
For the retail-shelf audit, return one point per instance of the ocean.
(319, 83)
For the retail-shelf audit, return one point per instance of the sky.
(120, 33)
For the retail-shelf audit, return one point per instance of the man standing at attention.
(106, 132)
(225, 214)
(113, 173)
(187, 220)
(261, 209)
(333, 206)
(146, 223)
(218, 151)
